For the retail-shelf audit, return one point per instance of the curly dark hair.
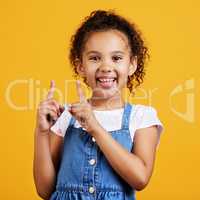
(101, 20)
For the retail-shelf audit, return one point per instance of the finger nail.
(61, 108)
(54, 120)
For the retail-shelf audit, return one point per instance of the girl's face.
(106, 63)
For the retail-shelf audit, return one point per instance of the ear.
(80, 69)
(133, 66)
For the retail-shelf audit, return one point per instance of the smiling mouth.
(103, 80)
(106, 82)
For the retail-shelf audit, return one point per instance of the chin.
(104, 94)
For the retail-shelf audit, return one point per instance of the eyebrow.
(89, 52)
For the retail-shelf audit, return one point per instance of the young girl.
(102, 147)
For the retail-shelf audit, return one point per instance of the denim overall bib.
(85, 173)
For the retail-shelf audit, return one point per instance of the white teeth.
(106, 80)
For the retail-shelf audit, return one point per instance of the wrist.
(96, 127)
(39, 132)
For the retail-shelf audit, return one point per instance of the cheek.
(123, 74)
(122, 70)
(90, 75)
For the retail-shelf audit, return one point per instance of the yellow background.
(34, 40)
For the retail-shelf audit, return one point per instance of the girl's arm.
(43, 169)
(136, 167)
(47, 146)
(47, 152)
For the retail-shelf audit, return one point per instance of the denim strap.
(126, 116)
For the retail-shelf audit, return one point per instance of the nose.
(106, 67)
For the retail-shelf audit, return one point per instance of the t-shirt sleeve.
(62, 122)
(150, 118)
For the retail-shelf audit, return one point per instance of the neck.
(107, 103)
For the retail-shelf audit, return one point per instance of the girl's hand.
(82, 111)
(48, 111)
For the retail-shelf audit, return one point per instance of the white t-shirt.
(141, 116)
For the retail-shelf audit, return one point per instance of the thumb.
(51, 90)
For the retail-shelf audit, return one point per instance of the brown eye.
(116, 58)
(94, 58)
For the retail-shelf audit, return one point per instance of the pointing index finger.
(80, 91)
(52, 89)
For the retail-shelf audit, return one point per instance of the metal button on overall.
(91, 189)
(92, 161)
(93, 139)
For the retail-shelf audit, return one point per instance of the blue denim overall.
(85, 173)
